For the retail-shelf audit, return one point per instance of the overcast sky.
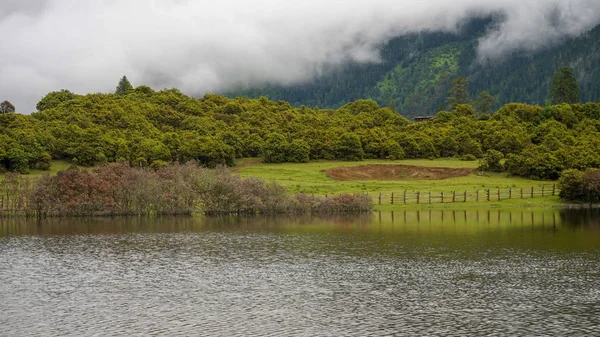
(202, 46)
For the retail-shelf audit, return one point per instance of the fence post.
(532, 191)
(521, 192)
(418, 197)
(465, 196)
(488, 194)
(405, 197)
(442, 197)
(542, 190)
(392, 198)
(454, 196)
(430, 197)
(477, 197)
(499, 195)
(380, 198)
(510, 193)
(554, 190)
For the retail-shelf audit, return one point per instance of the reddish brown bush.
(118, 189)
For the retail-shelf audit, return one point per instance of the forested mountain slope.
(416, 70)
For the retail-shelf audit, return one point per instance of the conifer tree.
(124, 86)
(485, 102)
(564, 87)
(6, 107)
(459, 93)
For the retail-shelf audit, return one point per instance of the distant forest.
(416, 72)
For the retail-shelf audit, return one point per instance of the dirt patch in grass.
(396, 172)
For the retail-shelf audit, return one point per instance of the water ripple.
(266, 283)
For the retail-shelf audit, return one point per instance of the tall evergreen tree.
(6, 107)
(391, 104)
(485, 102)
(124, 86)
(564, 87)
(459, 93)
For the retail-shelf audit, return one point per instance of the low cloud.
(208, 46)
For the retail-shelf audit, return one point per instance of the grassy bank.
(538, 203)
(310, 177)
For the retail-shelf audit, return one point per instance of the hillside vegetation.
(148, 128)
(416, 71)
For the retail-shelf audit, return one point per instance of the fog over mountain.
(207, 46)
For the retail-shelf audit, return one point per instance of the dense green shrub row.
(148, 128)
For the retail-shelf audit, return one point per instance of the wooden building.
(423, 118)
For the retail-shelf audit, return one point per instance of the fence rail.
(499, 194)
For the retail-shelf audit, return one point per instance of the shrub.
(492, 161)
(536, 163)
(275, 149)
(298, 151)
(157, 164)
(346, 203)
(468, 157)
(119, 189)
(591, 185)
(348, 147)
(584, 186)
(570, 185)
(392, 150)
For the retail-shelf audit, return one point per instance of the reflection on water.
(403, 273)
(470, 221)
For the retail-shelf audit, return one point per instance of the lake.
(433, 273)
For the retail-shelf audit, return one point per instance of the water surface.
(402, 273)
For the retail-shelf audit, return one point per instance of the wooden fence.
(499, 194)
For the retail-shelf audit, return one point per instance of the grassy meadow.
(310, 178)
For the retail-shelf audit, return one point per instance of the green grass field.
(57, 165)
(310, 178)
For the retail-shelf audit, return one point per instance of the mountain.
(416, 70)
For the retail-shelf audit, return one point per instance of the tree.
(124, 86)
(564, 87)
(485, 102)
(275, 149)
(459, 93)
(298, 152)
(391, 104)
(348, 147)
(6, 107)
(492, 161)
(53, 99)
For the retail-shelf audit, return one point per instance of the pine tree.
(124, 86)
(391, 104)
(6, 107)
(459, 93)
(485, 102)
(564, 87)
